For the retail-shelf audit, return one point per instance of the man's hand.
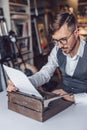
(11, 87)
(66, 97)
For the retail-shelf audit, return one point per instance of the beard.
(68, 50)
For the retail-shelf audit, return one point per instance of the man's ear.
(76, 32)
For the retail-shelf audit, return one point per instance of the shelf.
(19, 17)
(82, 22)
(18, 20)
(82, 14)
(82, 19)
(82, 3)
(17, 4)
(17, 13)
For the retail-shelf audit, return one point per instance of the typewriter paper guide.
(21, 81)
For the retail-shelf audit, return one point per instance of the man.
(70, 55)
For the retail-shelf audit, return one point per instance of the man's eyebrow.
(62, 38)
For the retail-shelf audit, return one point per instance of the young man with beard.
(70, 55)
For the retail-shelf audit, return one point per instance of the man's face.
(65, 39)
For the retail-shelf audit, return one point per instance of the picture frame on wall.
(41, 35)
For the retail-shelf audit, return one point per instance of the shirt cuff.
(80, 98)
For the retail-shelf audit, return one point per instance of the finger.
(56, 91)
(11, 88)
(10, 82)
(59, 92)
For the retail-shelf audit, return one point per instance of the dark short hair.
(62, 18)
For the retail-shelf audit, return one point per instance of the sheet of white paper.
(21, 81)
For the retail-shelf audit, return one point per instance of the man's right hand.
(11, 87)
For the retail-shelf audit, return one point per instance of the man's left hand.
(62, 92)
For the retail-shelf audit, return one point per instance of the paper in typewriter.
(21, 81)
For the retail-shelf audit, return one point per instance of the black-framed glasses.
(63, 40)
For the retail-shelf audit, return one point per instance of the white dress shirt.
(47, 71)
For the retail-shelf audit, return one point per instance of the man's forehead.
(62, 32)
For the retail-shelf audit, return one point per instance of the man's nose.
(60, 45)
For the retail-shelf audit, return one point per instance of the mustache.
(64, 48)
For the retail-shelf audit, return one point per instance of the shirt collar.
(81, 47)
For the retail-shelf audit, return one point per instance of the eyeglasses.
(62, 40)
